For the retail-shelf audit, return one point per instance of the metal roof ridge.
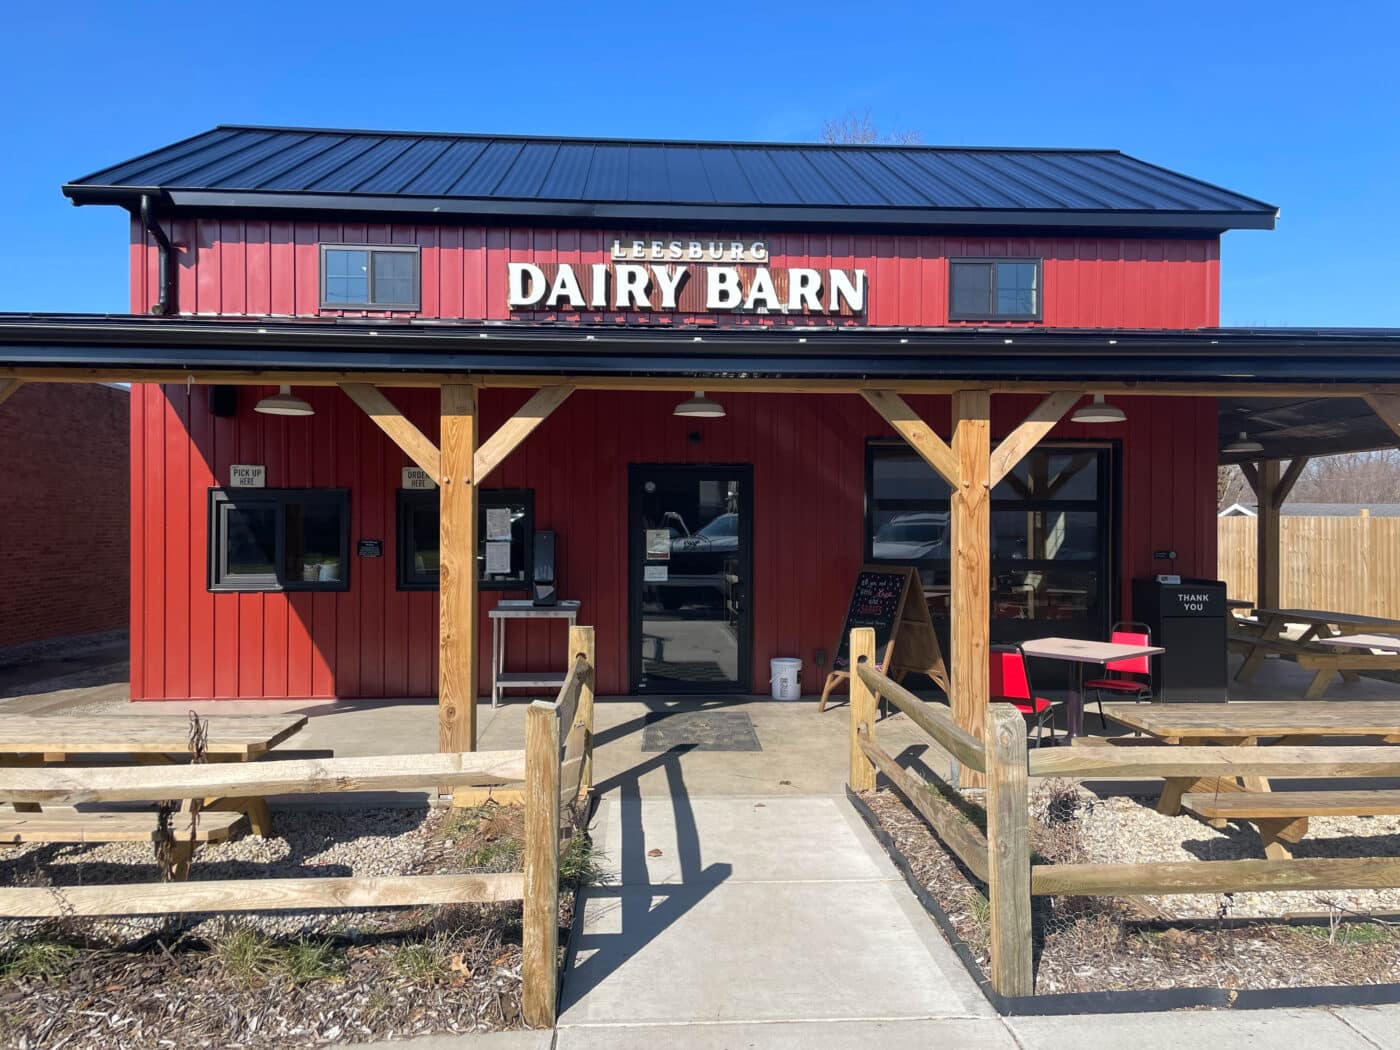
(633, 141)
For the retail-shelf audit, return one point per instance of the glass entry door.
(690, 550)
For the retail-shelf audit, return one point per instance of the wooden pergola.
(965, 457)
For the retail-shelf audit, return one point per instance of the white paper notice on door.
(498, 523)
(658, 544)
(498, 559)
(655, 573)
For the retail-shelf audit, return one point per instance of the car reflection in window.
(912, 537)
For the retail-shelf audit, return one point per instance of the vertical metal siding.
(259, 268)
(375, 641)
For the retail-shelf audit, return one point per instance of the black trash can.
(1188, 620)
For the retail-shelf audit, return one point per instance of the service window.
(369, 277)
(505, 549)
(279, 540)
(994, 290)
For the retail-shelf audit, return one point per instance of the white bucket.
(786, 677)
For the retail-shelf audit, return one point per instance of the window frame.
(1106, 503)
(411, 249)
(220, 581)
(992, 314)
(410, 579)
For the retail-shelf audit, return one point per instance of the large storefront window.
(1052, 535)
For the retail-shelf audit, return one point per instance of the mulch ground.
(232, 983)
(1086, 944)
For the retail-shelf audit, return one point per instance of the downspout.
(166, 304)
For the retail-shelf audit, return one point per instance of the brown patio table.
(1321, 626)
(40, 740)
(1078, 652)
(1298, 723)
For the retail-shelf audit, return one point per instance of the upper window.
(994, 290)
(376, 277)
(279, 539)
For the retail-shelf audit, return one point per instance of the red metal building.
(533, 237)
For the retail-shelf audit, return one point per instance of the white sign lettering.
(247, 476)
(646, 273)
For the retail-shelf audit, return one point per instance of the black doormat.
(699, 731)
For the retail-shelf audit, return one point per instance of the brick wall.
(64, 511)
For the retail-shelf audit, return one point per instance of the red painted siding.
(375, 641)
(64, 494)
(260, 268)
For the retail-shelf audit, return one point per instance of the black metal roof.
(600, 180)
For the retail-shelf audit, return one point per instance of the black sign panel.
(370, 549)
(875, 602)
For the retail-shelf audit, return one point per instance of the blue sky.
(1293, 103)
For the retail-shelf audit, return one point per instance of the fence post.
(540, 934)
(1009, 850)
(581, 642)
(862, 776)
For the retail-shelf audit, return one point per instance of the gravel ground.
(1130, 830)
(308, 843)
(1088, 944)
(272, 980)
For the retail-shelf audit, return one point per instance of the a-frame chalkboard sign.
(891, 600)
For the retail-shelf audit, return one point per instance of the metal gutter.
(1220, 355)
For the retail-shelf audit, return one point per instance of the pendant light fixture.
(1243, 444)
(1098, 411)
(699, 407)
(284, 403)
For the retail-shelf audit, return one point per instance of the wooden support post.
(1029, 434)
(518, 427)
(862, 776)
(1266, 594)
(581, 642)
(457, 666)
(539, 962)
(8, 387)
(1009, 851)
(1387, 406)
(971, 582)
(920, 436)
(400, 429)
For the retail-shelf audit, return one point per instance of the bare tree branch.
(856, 129)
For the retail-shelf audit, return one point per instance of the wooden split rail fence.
(554, 769)
(1000, 856)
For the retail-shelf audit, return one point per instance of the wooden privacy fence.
(554, 769)
(1001, 856)
(1344, 564)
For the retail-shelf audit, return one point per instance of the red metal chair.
(1130, 677)
(1010, 683)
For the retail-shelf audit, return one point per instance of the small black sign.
(370, 549)
(1164, 555)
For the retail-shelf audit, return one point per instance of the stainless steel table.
(523, 609)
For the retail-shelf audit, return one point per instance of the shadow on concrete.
(646, 908)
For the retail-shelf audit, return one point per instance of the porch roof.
(1323, 366)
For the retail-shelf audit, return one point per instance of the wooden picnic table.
(1298, 723)
(1263, 634)
(29, 740)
